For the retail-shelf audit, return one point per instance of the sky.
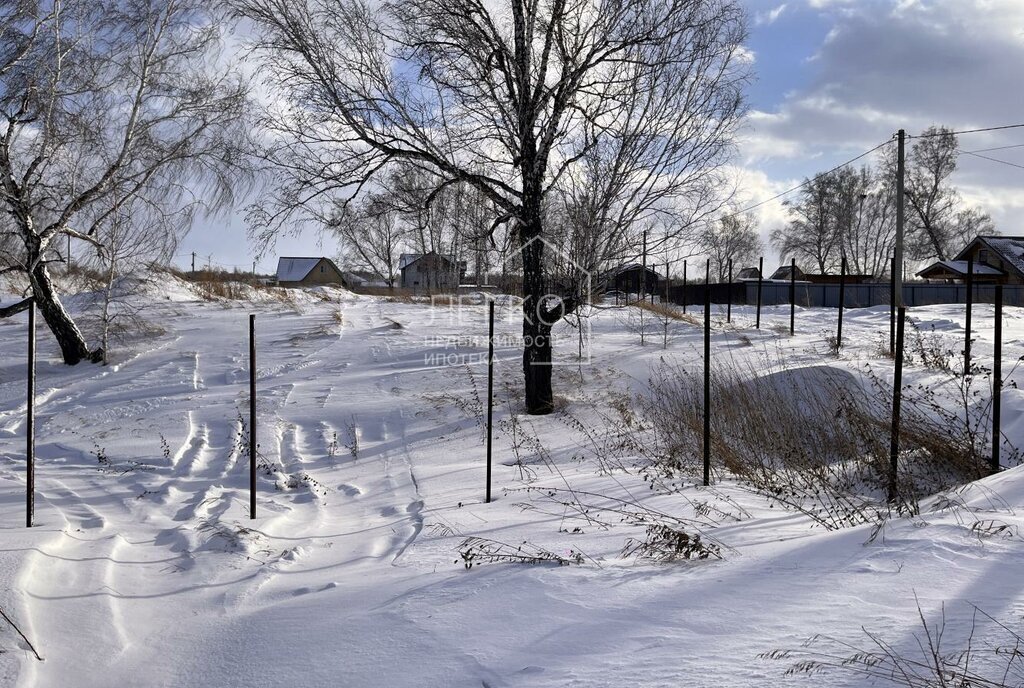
(833, 79)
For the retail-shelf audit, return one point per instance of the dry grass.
(665, 311)
(814, 439)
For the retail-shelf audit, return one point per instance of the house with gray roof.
(430, 272)
(308, 272)
(997, 259)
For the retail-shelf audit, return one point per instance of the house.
(308, 272)
(630, 280)
(997, 259)
(787, 272)
(430, 272)
(783, 275)
(748, 275)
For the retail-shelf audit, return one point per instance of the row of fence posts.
(897, 336)
(30, 407)
(897, 390)
(842, 301)
(897, 316)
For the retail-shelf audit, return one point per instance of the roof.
(786, 272)
(1010, 249)
(407, 259)
(959, 267)
(632, 266)
(292, 269)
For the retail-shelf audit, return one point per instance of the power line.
(808, 181)
(966, 131)
(997, 148)
(985, 157)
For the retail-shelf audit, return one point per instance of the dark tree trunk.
(68, 336)
(536, 323)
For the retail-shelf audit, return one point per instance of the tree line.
(851, 212)
(478, 122)
(555, 137)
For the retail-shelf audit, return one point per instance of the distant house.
(308, 272)
(783, 275)
(786, 273)
(748, 275)
(430, 272)
(630, 279)
(996, 259)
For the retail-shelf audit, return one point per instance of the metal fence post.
(842, 302)
(252, 416)
(728, 301)
(665, 343)
(760, 279)
(897, 393)
(792, 297)
(684, 287)
(707, 376)
(967, 322)
(30, 410)
(997, 378)
(490, 394)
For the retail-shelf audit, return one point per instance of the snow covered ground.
(144, 568)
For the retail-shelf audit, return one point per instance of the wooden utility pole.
(897, 278)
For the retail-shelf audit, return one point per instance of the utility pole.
(897, 279)
(193, 262)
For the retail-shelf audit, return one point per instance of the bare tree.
(135, 238)
(373, 235)
(733, 238)
(870, 234)
(436, 215)
(102, 103)
(812, 233)
(968, 223)
(508, 97)
(933, 199)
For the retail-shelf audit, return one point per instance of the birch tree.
(102, 103)
(732, 239)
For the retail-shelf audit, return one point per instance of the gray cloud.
(886, 65)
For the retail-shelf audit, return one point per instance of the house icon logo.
(459, 335)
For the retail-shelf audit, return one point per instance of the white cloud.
(769, 17)
(891, 64)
